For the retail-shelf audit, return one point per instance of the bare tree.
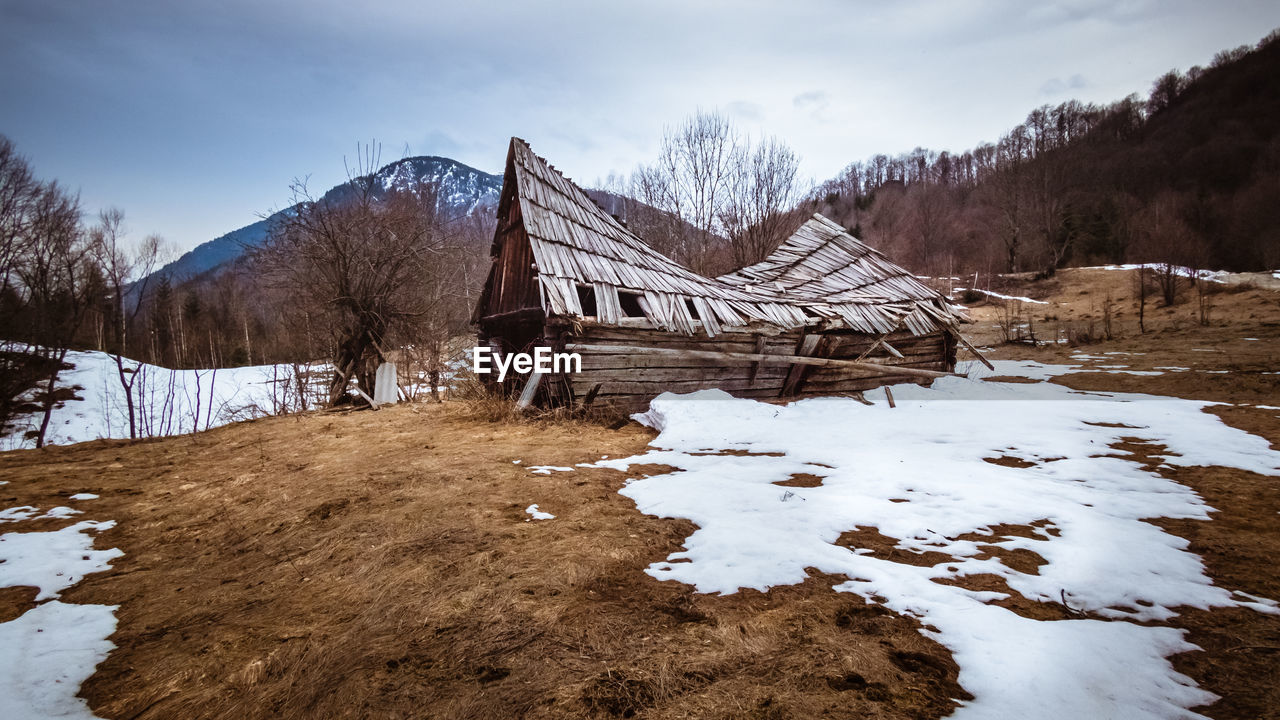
(689, 181)
(1007, 193)
(354, 262)
(127, 273)
(1169, 243)
(1165, 91)
(1141, 290)
(19, 192)
(931, 220)
(761, 189)
(58, 281)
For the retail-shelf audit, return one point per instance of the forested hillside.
(1190, 174)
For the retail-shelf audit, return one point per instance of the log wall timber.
(614, 359)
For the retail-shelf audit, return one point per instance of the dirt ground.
(382, 564)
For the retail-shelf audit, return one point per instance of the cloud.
(746, 110)
(1057, 86)
(813, 103)
(814, 99)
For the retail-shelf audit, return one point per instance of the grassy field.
(382, 564)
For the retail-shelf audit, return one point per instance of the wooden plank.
(856, 385)
(755, 366)
(642, 399)
(832, 374)
(596, 361)
(367, 399)
(773, 374)
(856, 344)
(785, 359)
(529, 313)
(795, 375)
(530, 389)
(587, 328)
(975, 352)
(625, 387)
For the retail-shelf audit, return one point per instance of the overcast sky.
(193, 117)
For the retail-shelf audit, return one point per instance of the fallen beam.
(975, 352)
(768, 359)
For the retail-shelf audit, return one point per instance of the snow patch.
(27, 512)
(1089, 503)
(53, 561)
(989, 293)
(1015, 368)
(166, 402)
(47, 653)
(1218, 276)
(548, 469)
(83, 496)
(1136, 372)
(536, 514)
(14, 514)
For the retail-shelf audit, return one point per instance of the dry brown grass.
(380, 565)
(1086, 307)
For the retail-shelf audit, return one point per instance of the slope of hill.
(462, 189)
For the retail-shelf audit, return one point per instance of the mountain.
(462, 190)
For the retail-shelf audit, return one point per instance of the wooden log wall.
(628, 380)
(926, 352)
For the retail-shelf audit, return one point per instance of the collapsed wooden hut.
(824, 314)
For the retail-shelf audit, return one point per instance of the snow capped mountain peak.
(461, 189)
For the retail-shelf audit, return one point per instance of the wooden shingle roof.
(575, 242)
(833, 274)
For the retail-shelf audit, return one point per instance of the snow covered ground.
(167, 402)
(918, 474)
(47, 652)
(999, 296)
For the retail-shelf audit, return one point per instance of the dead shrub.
(479, 401)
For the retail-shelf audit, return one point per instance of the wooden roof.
(575, 242)
(833, 274)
